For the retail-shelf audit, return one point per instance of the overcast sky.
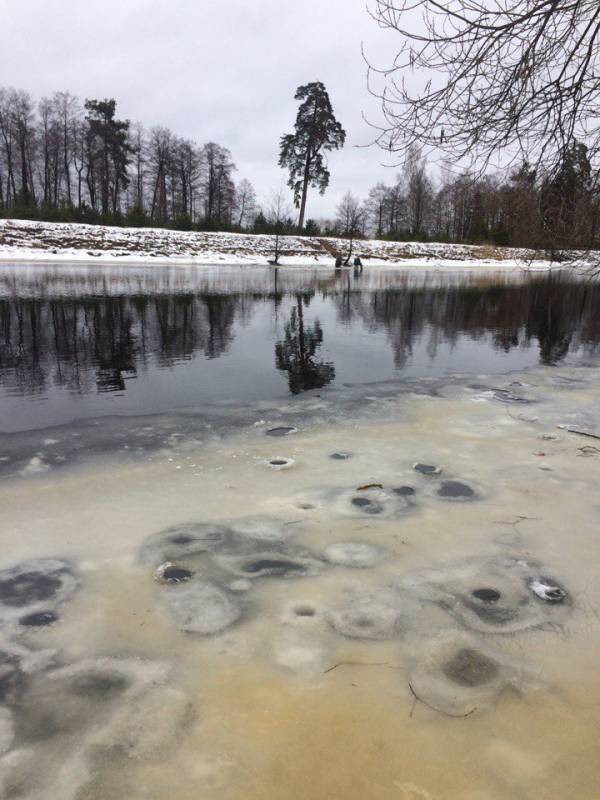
(220, 70)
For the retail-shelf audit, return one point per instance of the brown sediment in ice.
(280, 702)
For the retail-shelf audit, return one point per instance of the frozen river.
(271, 535)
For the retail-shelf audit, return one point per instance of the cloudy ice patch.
(459, 675)
(201, 607)
(353, 554)
(262, 528)
(37, 586)
(376, 614)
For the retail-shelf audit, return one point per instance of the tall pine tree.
(302, 152)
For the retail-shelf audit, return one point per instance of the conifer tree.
(302, 152)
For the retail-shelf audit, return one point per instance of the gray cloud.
(224, 71)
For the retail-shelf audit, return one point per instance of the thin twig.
(362, 664)
(583, 433)
(439, 710)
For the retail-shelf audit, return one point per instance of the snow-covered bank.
(22, 240)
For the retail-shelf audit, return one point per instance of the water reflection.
(94, 331)
(296, 353)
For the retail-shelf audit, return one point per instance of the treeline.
(67, 161)
(521, 208)
(64, 160)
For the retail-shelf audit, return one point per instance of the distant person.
(338, 262)
(358, 265)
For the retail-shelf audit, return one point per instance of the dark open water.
(82, 342)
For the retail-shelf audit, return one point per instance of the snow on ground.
(23, 240)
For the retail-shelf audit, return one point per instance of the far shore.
(29, 242)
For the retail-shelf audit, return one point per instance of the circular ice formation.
(171, 573)
(368, 616)
(276, 564)
(282, 430)
(280, 462)
(201, 607)
(71, 698)
(183, 541)
(353, 554)
(455, 674)
(493, 595)
(455, 490)
(35, 583)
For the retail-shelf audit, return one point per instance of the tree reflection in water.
(295, 354)
(91, 333)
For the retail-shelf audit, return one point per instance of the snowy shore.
(28, 241)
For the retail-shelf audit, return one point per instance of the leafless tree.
(519, 78)
(350, 219)
(278, 210)
(245, 203)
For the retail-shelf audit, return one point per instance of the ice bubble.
(171, 573)
(201, 607)
(367, 505)
(270, 564)
(39, 619)
(282, 430)
(302, 614)
(404, 491)
(426, 469)
(280, 462)
(456, 490)
(353, 554)
(304, 611)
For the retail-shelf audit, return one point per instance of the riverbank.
(28, 241)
